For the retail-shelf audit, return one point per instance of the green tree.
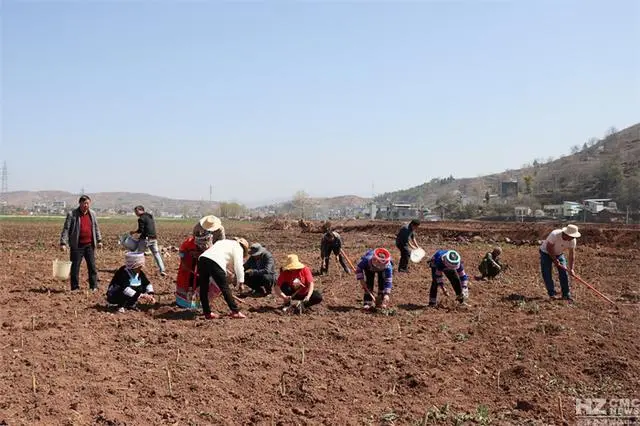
(232, 209)
(528, 180)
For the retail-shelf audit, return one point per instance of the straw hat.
(571, 230)
(210, 223)
(293, 263)
(244, 243)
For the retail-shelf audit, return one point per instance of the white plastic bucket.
(417, 255)
(128, 242)
(61, 269)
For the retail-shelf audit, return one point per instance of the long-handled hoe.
(589, 286)
(364, 287)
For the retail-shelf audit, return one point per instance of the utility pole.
(210, 193)
(4, 188)
(627, 215)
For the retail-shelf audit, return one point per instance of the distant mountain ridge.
(118, 201)
(126, 201)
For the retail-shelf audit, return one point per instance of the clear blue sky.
(264, 99)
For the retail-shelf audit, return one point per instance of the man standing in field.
(552, 252)
(406, 241)
(147, 236)
(82, 234)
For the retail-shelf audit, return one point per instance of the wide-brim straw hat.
(293, 263)
(571, 230)
(210, 223)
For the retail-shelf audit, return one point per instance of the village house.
(596, 205)
(522, 211)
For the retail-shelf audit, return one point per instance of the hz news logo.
(607, 412)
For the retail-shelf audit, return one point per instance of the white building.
(566, 209)
(571, 208)
(521, 211)
(596, 205)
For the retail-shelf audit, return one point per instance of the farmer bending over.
(331, 243)
(406, 241)
(448, 263)
(189, 251)
(551, 252)
(375, 262)
(490, 265)
(295, 282)
(129, 284)
(212, 266)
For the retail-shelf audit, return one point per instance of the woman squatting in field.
(375, 262)
(448, 263)
(295, 282)
(130, 283)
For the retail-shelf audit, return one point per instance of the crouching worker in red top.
(129, 284)
(295, 282)
(375, 262)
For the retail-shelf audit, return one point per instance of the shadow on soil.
(520, 298)
(411, 307)
(46, 290)
(178, 315)
(265, 309)
(343, 309)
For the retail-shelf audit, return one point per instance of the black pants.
(405, 253)
(77, 254)
(316, 296)
(260, 283)
(369, 279)
(453, 278)
(207, 269)
(326, 254)
(122, 300)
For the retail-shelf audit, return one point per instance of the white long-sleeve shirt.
(225, 251)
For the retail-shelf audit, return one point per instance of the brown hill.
(118, 201)
(608, 168)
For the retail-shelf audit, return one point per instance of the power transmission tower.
(4, 188)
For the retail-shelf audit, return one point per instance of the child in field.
(130, 284)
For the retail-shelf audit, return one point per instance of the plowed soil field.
(512, 357)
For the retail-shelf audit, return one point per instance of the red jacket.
(304, 275)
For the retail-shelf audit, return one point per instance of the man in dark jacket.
(406, 241)
(147, 236)
(260, 270)
(82, 235)
(331, 243)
